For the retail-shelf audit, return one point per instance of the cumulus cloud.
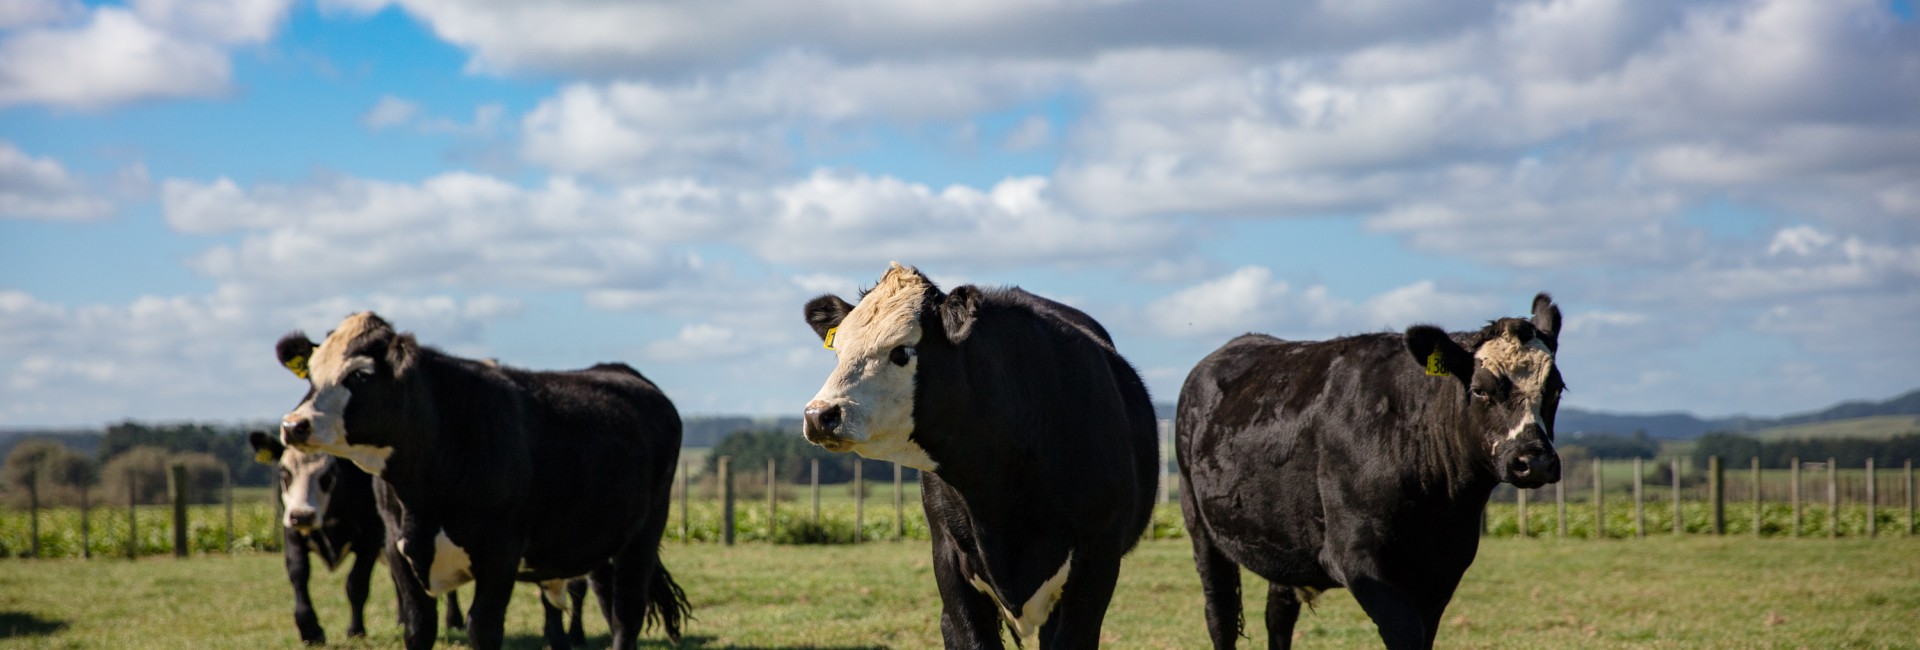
(1251, 299)
(41, 188)
(153, 49)
(389, 111)
(28, 13)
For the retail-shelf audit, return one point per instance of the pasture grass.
(1689, 592)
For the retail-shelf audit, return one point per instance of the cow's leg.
(358, 579)
(556, 618)
(1219, 586)
(492, 590)
(417, 609)
(298, 571)
(1283, 609)
(1402, 625)
(968, 618)
(1076, 618)
(577, 592)
(602, 581)
(456, 617)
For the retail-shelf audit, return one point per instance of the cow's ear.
(401, 353)
(266, 448)
(294, 349)
(957, 310)
(824, 315)
(1546, 320)
(1437, 354)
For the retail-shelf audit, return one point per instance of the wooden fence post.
(1599, 502)
(899, 506)
(725, 477)
(1795, 476)
(772, 499)
(33, 507)
(859, 500)
(1521, 501)
(1639, 500)
(1873, 527)
(686, 482)
(1756, 496)
(1909, 474)
(133, 528)
(816, 490)
(226, 490)
(1717, 491)
(1679, 525)
(1833, 498)
(1560, 506)
(86, 526)
(179, 476)
(1166, 480)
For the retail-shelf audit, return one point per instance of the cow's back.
(605, 442)
(1249, 434)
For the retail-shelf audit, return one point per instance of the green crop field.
(1693, 592)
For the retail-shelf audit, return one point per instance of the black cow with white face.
(491, 474)
(1362, 462)
(329, 512)
(1034, 438)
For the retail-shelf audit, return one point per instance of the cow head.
(1512, 388)
(867, 404)
(356, 373)
(306, 480)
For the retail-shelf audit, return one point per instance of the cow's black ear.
(1546, 320)
(401, 353)
(293, 350)
(1437, 354)
(824, 314)
(957, 311)
(266, 448)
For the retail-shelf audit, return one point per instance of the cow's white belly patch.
(451, 566)
(555, 592)
(1035, 611)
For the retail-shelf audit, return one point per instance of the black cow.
(490, 473)
(1362, 462)
(330, 512)
(1034, 438)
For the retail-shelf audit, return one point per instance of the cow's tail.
(667, 604)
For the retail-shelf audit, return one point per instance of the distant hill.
(1683, 426)
(1873, 426)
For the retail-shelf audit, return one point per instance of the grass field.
(1654, 593)
(1877, 427)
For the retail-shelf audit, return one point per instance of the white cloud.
(16, 14)
(113, 59)
(390, 111)
(1031, 133)
(1251, 299)
(42, 188)
(218, 21)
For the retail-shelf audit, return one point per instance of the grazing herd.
(1361, 462)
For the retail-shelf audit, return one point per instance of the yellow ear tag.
(299, 366)
(828, 343)
(263, 457)
(1433, 365)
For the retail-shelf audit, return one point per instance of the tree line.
(131, 457)
(1779, 454)
(793, 457)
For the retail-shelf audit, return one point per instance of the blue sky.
(1724, 196)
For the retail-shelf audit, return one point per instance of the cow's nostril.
(1521, 466)
(296, 431)
(825, 419)
(301, 519)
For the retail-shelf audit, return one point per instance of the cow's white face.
(866, 405)
(319, 423)
(1521, 369)
(307, 481)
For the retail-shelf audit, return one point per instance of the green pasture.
(1663, 592)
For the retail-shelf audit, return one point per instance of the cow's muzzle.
(1533, 469)
(294, 432)
(822, 426)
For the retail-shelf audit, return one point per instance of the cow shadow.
(688, 642)
(14, 625)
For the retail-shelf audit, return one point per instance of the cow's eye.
(286, 477)
(1481, 391)
(902, 354)
(326, 482)
(360, 375)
